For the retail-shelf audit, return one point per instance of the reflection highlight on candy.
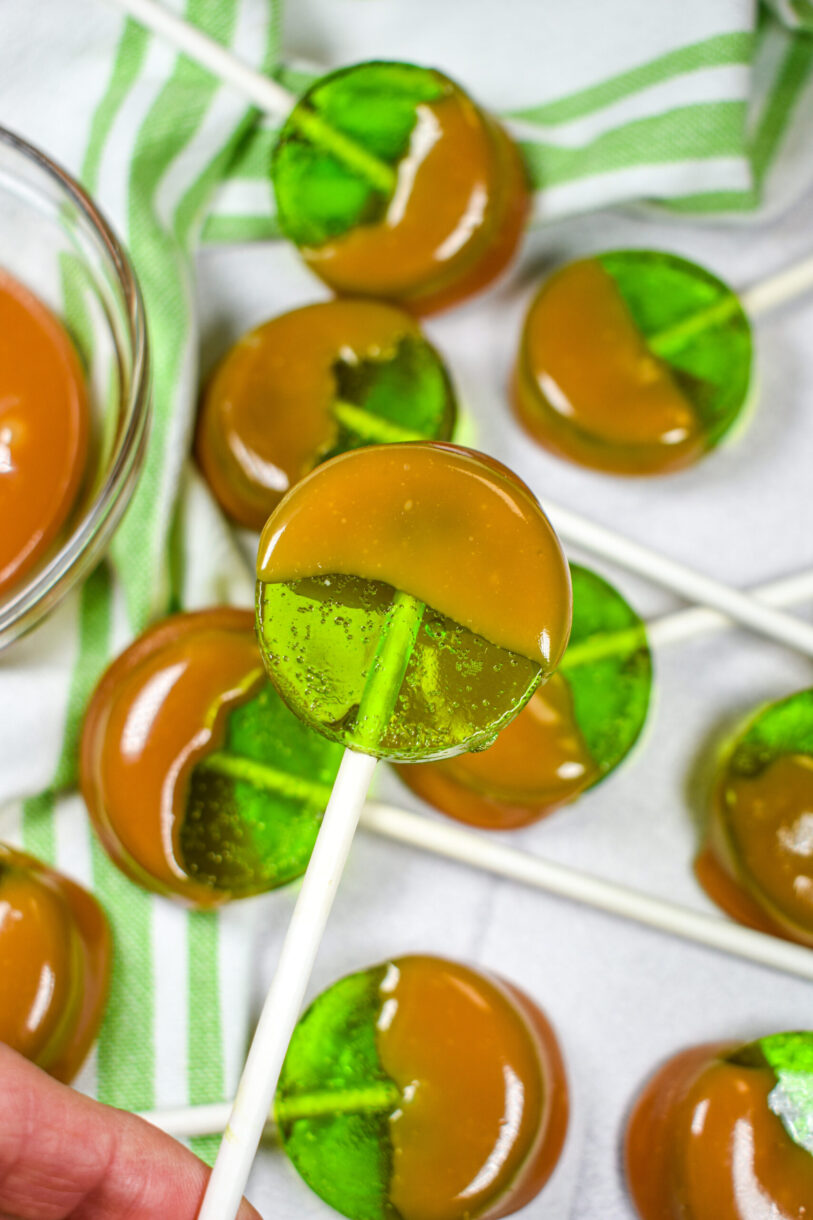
(722, 1132)
(394, 184)
(573, 731)
(757, 863)
(423, 1089)
(308, 385)
(633, 362)
(54, 964)
(410, 598)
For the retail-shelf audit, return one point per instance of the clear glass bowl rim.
(36, 595)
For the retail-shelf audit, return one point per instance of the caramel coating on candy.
(757, 865)
(454, 221)
(266, 417)
(703, 1144)
(446, 525)
(54, 964)
(43, 429)
(158, 710)
(588, 387)
(467, 1050)
(538, 762)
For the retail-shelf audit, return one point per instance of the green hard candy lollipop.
(409, 599)
(573, 732)
(199, 780)
(394, 184)
(633, 362)
(395, 1087)
(758, 864)
(308, 385)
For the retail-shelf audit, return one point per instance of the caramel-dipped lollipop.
(573, 731)
(757, 860)
(311, 384)
(395, 1090)
(725, 1132)
(389, 178)
(633, 362)
(410, 598)
(177, 733)
(393, 183)
(54, 964)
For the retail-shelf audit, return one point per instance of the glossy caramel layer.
(454, 221)
(486, 1107)
(537, 763)
(266, 419)
(44, 419)
(703, 1144)
(54, 964)
(158, 710)
(758, 863)
(445, 525)
(588, 387)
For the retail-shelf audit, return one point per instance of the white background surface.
(621, 998)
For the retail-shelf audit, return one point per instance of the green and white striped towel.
(693, 105)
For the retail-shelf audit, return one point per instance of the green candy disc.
(608, 667)
(255, 805)
(696, 324)
(334, 1100)
(404, 398)
(790, 1058)
(784, 727)
(761, 815)
(334, 166)
(633, 362)
(444, 687)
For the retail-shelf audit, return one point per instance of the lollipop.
(309, 385)
(172, 738)
(389, 605)
(394, 184)
(724, 1133)
(410, 598)
(396, 1086)
(43, 429)
(633, 362)
(54, 964)
(757, 862)
(573, 731)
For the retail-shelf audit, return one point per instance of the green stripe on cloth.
(175, 116)
(708, 129)
(236, 229)
(206, 1063)
(126, 67)
(126, 1046)
(38, 830)
(796, 71)
(252, 157)
(711, 53)
(95, 624)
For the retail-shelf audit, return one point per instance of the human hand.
(63, 1155)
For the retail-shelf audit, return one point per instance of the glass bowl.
(55, 241)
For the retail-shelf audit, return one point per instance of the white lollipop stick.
(742, 607)
(699, 621)
(480, 851)
(784, 286)
(283, 1003)
(273, 99)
